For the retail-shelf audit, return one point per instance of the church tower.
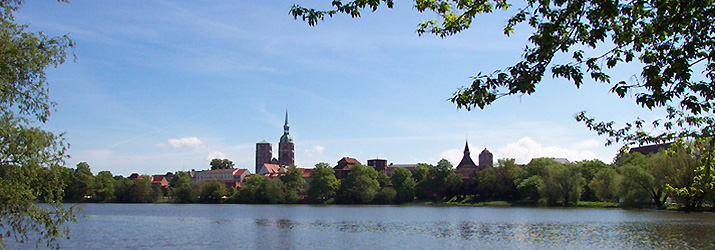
(467, 163)
(286, 150)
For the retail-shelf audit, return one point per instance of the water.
(175, 226)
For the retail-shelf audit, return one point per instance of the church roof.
(466, 161)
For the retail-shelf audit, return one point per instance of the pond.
(180, 226)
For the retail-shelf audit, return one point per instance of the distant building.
(486, 160)
(410, 167)
(264, 154)
(343, 167)
(650, 149)
(271, 170)
(286, 149)
(466, 166)
(135, 176)
(561, 160)
(159, 180)
(378, 164)
(232, 177)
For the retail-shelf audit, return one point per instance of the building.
(411, 167)
(231, 177)
(466, 166)
(378, 164)
(264, 154)
(159, 180)
(271, 170)
(343, 167)
(649, 149)
(286, 149)
(486, 160)
(561, 160)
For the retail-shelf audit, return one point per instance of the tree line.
(632, 180)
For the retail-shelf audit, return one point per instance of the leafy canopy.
(31, 159)
(671, 40)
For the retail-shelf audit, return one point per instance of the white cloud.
(314, 150)
(526, 149)
(453, 155)
(215, 155)
(182, 142)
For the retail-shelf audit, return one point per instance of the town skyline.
(163, 86)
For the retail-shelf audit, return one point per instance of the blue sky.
(162, 86)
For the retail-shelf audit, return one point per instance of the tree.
(606, 184)
(213, 191)
(323, 184)
(669, 39)
(562, 183)
(672, 42)
(181, 188)
(83, 184)
(221, 164)
(360, 186)
(104, 187)
(293, 182)
(31, 158)
(403, 184)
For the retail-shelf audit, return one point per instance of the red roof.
(240, 171)
(350, 160)
(272, 168)
(307, 172)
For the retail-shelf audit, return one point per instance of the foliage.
(31, 159)
(181, 188)
(403, 184)
(293, 182)
(323, 185)
(360, 186)
(260, 190)
(702, 184)
(386, 196)
(212, 191)
(529, 188)
(605, 184)
(104, 187)
(562, 184)
(221, 164)
(672, 42)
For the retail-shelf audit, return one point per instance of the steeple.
(286, 135)
(466, 159)
(286, 127)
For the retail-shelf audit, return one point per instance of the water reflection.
(636, 235)
(115, 226)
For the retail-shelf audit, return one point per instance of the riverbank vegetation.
(632, 180)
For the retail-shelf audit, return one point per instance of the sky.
(161, 86)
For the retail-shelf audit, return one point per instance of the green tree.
(32, 158)
(84, 183)
(181, 188)
(104, 184)
(323, 185)
(606, 184)
(221, 164)
(360, 186)
(383, 179)
(529, 188)
(562, 183)
(212, 191)
(293, 182)
(589, 169)
(672, 42)
(404, 185)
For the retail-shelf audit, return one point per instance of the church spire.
(286, 127)
(466, 147)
